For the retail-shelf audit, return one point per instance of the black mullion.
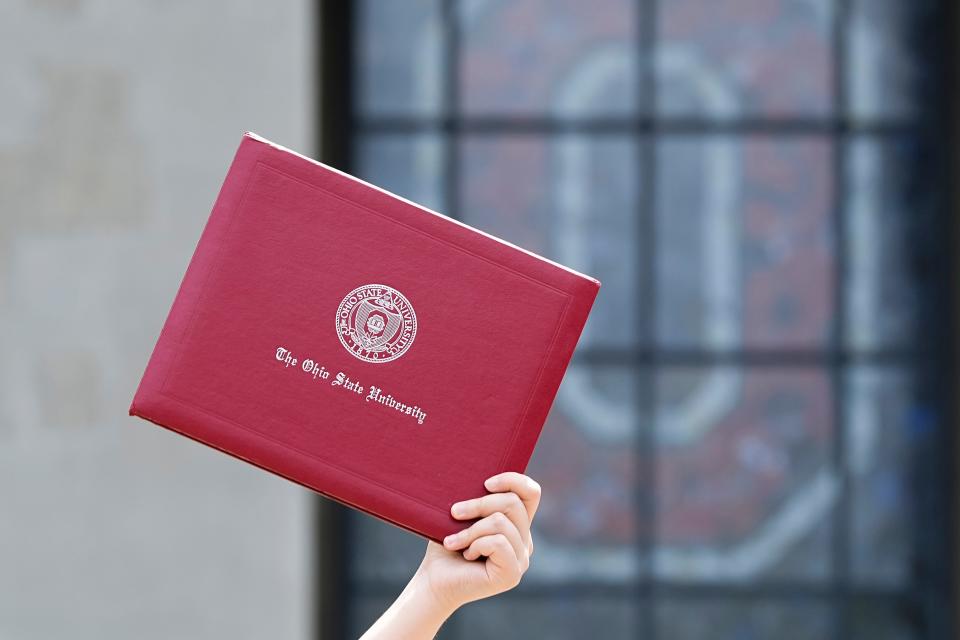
(645, 126)
(948, 46)
(641, 357)
(775, 590)
(380, 589)
(935, 481)
(841, 521)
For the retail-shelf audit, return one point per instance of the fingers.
(495, 523)
(509, 504)
(507, 568)
(524, 486)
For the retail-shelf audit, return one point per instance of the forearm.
(415, 615)
(485, 558)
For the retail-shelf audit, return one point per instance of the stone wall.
(117, 123)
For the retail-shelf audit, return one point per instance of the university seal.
(376, 323)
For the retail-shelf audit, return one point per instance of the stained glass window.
(750, 441)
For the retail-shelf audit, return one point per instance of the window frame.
(339, 124)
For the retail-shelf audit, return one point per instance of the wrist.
(416, 614)
(422, 591)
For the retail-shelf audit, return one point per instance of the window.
(751, 441)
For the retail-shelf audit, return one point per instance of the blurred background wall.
(117, 123)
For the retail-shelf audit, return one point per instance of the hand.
(484, 559)
(501, 539)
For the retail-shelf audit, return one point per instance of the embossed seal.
(376, 323)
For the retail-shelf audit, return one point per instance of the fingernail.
(490, 483)
(458, 509)
(449, 539)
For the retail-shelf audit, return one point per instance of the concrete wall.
(117, 123)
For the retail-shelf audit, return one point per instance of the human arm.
(486, 558)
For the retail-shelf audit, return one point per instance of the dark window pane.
(399, 57)
(364, 611)
(564, 57)
(889, 620)
(883, 64)
(744, 485)
(881, 422)
(561, 617)
(728, 619)
(570, 198)
(744, 245)
(881, 206)
(735, 58)
(586, 462)
(381, 552)
(408, 165)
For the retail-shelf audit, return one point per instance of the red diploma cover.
(359, 344)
